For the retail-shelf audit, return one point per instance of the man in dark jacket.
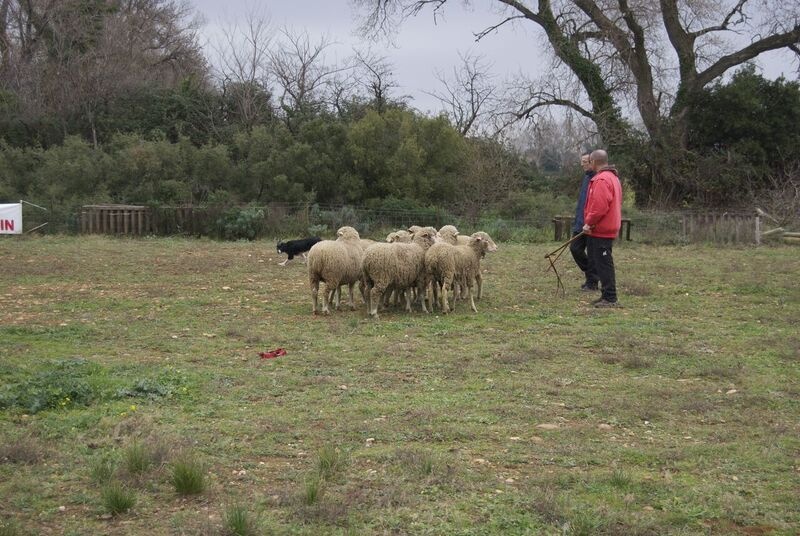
(602, 218)
(578, 246)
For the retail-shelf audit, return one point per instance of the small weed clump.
(239, 522)
(102, 470)
(314, 490)
(9, 529)
(585, 523)
(137, 458)
(418, 462)
(188, 475)
(117, 499)
(620, 479)
(330, 461)
(635, 362)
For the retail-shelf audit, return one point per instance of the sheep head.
(448, 234)
(486, 242)
(399, 236)
(426, 237)
(347, 233)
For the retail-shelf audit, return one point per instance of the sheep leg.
(386, 298)
(326, 298)
(445, 286)
(479, 281)
(331, 292)
(362, 287)
(366, 290)
(338, 297)
(471, 301)
(352, 299)
(375, 295)
(314, 295)
(407, 295)
(421, 291)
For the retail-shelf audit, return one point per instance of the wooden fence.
(299, 219)
(721, 227)
(116, 219)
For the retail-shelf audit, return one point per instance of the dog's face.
(280, 247)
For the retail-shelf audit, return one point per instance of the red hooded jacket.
(603, 211)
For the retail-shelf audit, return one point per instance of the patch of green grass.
(416, 461)
(64, 384)
(238, 521)
(137, 458)
(620, 479)
(117, 498)
(330, 460)
(9, 528)
(101, 470)
(313, 489)
(690, 385)
(188, 475)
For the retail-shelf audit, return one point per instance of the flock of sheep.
(420, 264)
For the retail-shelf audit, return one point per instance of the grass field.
(133, 399)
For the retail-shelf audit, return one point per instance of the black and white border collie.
(296, 247)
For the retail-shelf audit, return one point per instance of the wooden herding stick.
(553, 257)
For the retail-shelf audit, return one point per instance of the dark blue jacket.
(577, 225)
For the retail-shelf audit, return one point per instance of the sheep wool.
(449, 234)
(399, 266)
(399, 236)
(468, 262)
(336, 262)
(440, 267)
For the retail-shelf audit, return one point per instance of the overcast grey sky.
(423, 45)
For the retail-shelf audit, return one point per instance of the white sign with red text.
(11, 218)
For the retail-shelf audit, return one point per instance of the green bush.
(241, 223)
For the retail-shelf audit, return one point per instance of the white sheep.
(336, 262)
(399, 236)
(398, 266)
(440, 269)
(468, 262)
(449, 234)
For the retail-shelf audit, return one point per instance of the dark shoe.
(603, 304)
(586, 287)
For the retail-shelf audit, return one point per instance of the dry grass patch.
(23, 450)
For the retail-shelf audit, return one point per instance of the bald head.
(600, 157)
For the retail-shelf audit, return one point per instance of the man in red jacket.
(602, 218)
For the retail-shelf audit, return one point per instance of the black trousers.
(603, 264)
(578, 249)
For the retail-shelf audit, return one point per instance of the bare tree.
(70, 62)
(470, 96)
(619, 49)
(491, 172)
(244, 68)
(301, 72)
(375, 75)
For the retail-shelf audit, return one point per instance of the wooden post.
(758, 230)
